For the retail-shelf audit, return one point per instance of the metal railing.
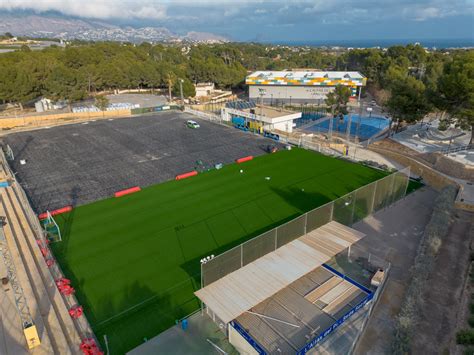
(457, 149)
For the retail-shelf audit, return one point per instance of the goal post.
(53, 233)
(8, 152)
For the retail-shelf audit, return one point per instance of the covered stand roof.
(239, 291)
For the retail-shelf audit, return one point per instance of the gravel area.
(81, 163)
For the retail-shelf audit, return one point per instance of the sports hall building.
(301, 87)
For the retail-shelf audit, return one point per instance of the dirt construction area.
(394, 235)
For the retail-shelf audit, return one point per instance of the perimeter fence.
(346, 210)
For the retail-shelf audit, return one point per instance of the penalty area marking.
(140, 303)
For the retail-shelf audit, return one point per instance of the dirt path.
(441, 303)
(393, 234)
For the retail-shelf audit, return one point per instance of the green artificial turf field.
(135, 260)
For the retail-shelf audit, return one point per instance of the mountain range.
(67, 28)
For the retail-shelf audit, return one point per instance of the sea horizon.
(440, 43)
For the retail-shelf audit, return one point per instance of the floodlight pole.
(202, 303)
(349, 122)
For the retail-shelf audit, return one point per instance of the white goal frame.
(49, 218)
(9, 153)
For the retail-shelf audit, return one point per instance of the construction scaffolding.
(27, 324)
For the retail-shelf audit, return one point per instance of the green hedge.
(465, 337)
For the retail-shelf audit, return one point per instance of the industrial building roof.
(306, 78)
(245, 288)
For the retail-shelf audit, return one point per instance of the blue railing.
(345, 317)
(336, 324)
(316, 340)
(248, 337)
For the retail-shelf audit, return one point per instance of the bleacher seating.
(240, 104)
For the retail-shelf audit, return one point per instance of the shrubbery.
(465, 337)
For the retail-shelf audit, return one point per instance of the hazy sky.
(278, 20)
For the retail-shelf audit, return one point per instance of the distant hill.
(63, 27)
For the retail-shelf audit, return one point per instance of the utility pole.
(181, 81)
(169, 87)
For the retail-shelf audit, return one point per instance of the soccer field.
(135, 260)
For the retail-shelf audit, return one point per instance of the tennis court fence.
(346, 210)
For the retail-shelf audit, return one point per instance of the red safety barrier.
(127, 191)
(244, 159)
(66, 290)
(49, 262)
(55, 212)
(42, 244)
(62, 282)
(89, 347)
(76, 311)
(186, 175)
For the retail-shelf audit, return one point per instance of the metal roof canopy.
(239, 291)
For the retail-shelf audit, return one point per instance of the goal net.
(8, 152)
(51, 228)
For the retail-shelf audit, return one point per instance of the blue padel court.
(363, 127)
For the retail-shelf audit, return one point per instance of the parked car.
(192, 124)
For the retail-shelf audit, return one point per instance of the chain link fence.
(346, 210)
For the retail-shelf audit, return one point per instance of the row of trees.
(410, 83)
(407, 80)
(451, 94)
(76, 72)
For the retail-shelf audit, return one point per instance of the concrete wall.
(45, 120)
(286, 126)
(240, 343)
(429, 175)
(449, 166)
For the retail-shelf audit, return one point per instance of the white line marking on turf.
(145, 301)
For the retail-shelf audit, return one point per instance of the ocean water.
(368, 43)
